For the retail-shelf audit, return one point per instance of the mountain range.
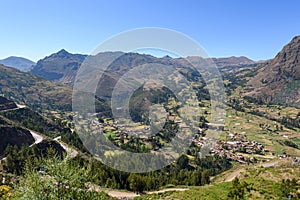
(62, 66)
(276, 80)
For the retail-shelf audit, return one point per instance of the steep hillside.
(34, 121)
(278, 80)
(60, 67)
(6, 104)
(14, 136)
(19, 63)
(33, 91)
(23, 127)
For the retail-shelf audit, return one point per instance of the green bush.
(56, 179)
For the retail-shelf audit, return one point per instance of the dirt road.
(72, 152)
(233, 175)
(167, 189)
(131, 195)
(38, 138)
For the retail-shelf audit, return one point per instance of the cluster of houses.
(283, 156)
(234, 148)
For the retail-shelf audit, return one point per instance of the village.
(147, 137)
(235, 148)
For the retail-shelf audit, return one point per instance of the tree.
(197, 177)
(205, 177)
(289, 188)
(183, 162)
(56, 179)
(237, 190)
(137, 183)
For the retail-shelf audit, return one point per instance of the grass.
(209, 192)
(265, 183)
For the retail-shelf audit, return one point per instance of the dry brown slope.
(278, 80)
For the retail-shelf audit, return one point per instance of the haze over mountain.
(232, 61)
(19, 63)
(278, 80)
(62, 66)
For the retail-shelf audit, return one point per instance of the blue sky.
(257, 29)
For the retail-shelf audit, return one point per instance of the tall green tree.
(238, 190)
(137, 183)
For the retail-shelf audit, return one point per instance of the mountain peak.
(278, 80)
(62, 52)
(61, 66)
(167, 57)
(296, 39)
(19, 63)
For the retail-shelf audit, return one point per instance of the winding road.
(72, 152)
(38, 138)
(130, 195)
